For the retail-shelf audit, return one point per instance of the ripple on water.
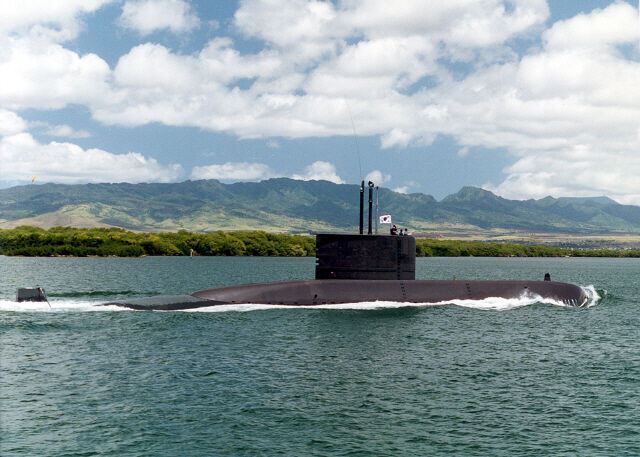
(518, 378)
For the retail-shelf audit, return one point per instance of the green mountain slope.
(286, 205)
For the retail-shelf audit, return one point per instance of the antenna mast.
(361, 207)
(369, 232)
(377, 217)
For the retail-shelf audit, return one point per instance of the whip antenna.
(355, 137)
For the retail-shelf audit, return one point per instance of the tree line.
(117, 242)
(459, 248)
(68, 241)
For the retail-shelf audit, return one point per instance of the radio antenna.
(355, 137)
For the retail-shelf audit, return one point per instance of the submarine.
(358, 268)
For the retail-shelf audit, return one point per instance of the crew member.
(394, 230)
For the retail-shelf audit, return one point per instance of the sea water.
(472, 378)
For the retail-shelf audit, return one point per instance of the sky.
(525, 98)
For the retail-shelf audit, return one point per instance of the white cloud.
(52, 20)
(22, 158)
(569, 113)
(457, 24)
(234, 171)
(305, 29)
(320, 171)
(579, 171)
(245, 171)
(155, 67)
(154, 84)
(406, 187)
(148, 16)
(377, 177)
(66, 131)
(396, 138)
(11, 123)
(45, 75)
(36, 70)
(616, 24)
(310, 29)
(302, 79)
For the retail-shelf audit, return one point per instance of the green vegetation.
(67, 241)
(457, 248)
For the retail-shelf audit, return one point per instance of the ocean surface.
(474, 378)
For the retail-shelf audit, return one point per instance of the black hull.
(327, 292)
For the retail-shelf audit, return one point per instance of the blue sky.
(525, 98)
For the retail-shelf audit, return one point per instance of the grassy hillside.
(290, 206)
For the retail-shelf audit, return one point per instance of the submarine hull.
(324, 292)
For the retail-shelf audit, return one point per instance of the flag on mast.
(385, 219)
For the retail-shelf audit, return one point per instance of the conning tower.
(347, 256)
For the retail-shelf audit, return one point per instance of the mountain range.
(286, 205)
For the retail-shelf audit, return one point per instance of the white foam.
(488, 304)
(592, 296)
(56, 306)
